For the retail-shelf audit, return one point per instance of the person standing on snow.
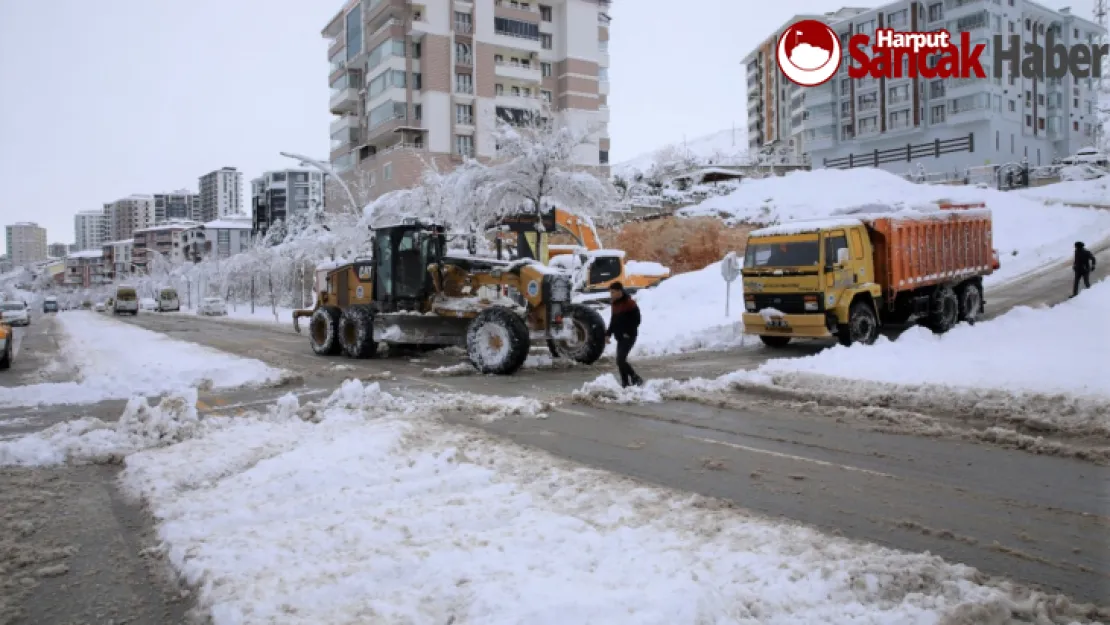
(1083, 266)
(624, 324)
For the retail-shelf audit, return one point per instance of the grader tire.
(497, 341)
(356, 332)
(589, 329)
(323, 331)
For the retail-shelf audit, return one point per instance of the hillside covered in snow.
(726, 146)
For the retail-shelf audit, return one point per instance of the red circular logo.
(808, 53)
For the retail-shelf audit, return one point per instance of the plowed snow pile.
(1046, 350)
(367, 508)
(1030, 227)
(116, 361)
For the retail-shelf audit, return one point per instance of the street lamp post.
(326, 169)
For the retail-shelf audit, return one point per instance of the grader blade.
(420, 329)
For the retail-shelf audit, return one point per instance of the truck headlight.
(811, 303)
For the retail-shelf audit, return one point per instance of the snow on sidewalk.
(116, 361)
(368, 508)
(1044, 365)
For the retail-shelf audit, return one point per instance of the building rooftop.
(173, 225)
(229, 224)
(86, 254)
(120, 242)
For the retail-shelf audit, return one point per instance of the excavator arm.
(581, 228)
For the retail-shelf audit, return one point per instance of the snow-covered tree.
(535, 169)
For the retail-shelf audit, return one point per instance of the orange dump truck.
(847, 277)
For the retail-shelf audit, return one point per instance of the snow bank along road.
(1036, 518)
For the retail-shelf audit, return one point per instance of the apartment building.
(86, 269)
(161, 240)
(56, 250)
(419, 81)
(281, 194)
(90, 229)
(26, 243)
(221, 194)
(125, 216)
(176, 206)
(117, 258)
(951, 124)
(774, 103)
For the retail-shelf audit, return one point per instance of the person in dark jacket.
(624, 324)
(1083, 266)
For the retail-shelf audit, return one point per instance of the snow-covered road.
(367, 507)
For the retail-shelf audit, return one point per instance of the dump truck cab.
(800, 282)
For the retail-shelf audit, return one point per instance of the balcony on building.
(515, 28)
(377, 12)
(344, 140)
(603, 54)
(515, 66)
(603, 86)
(968, 109)
(344, 94)
(955, 9)
(385, 122)
(344, 122)
(517, 96)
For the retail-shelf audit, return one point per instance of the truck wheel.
(323, 331)
(946, 310)
(862, 326)
(497, 341)
(970, 296)
(775, 341)
(588, 343)
(356, 332)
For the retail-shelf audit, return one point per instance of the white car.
(148, 303)
(15, 314)
(213, 306)
(100, 307)
(1088, 156)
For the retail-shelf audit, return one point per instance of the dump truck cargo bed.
(912, 252)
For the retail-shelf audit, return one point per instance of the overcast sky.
(102, 99)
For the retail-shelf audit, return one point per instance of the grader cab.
(412, 293)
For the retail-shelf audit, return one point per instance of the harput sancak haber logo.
(809, 55)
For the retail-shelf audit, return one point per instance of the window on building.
(547, 96)
(545, 13)
(937, 114)
(1040, 123)
(464, 145)
(417, 112)
(936, 12)
(464, 114)
(1012, 105)
(845, 86)
(463, 22)
(603, 157)
(387, 171)
(464, 83)
(1028, 121)
(545, 69)
(499, 89)
(516, 28)
(545, 41)
(899, 119)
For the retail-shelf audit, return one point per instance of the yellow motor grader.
(412, 293)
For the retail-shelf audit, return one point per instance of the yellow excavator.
(601, 267)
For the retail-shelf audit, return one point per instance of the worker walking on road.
(624, 324)
(1083, 266)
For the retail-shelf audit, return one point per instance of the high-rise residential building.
(414, 82)
(161, 240)
(281, 194)
(125, 216)
(181, 204)
(90, 229)
(26, 243)
(221, 194)
(117, 258)
(937, 124)
(56, 250)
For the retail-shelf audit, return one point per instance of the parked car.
(5, 346)
(212, 306)
(126, 301)
(100, 307)
(15, 313)
(1088, 156)
(168, 301)
(148, 303)
(50, 305)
